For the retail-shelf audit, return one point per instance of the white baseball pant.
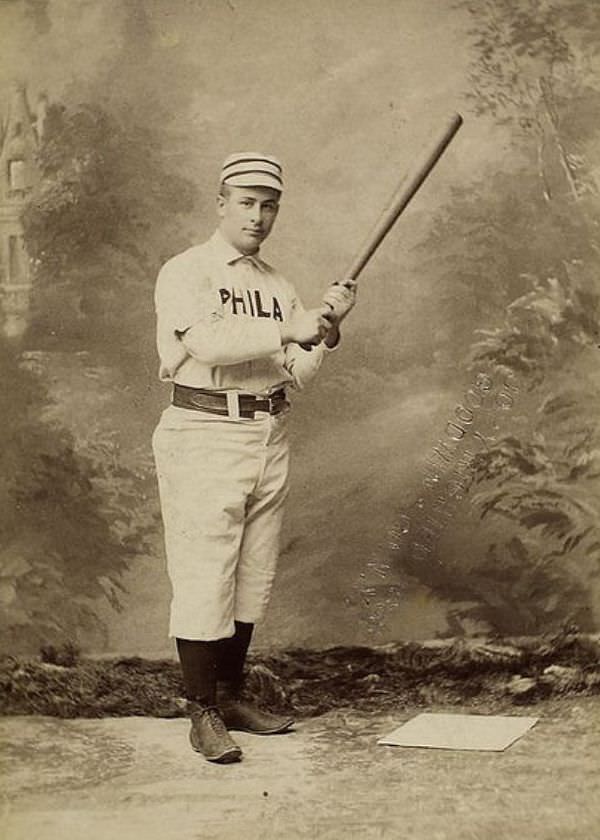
(222, 486)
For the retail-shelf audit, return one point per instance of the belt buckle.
(233, 405)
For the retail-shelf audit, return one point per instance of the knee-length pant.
(222, 486)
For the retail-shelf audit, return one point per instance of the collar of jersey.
(231, 255)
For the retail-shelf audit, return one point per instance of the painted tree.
(104, 216)
(536, 72)
(73, 514)
(533, 562)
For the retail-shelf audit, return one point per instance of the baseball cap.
(251, 169)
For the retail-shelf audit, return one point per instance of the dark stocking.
(199, 668)
(232, 656)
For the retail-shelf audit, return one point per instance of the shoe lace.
(213, 714)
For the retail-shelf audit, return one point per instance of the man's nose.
(256, 214)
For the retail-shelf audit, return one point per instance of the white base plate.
(460, 732)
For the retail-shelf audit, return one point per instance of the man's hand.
(340, 298)
(307, 328)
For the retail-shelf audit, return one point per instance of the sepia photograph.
(300, 470)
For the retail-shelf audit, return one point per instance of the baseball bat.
(407, 188)
(405, 191)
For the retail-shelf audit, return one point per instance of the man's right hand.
(307, 328)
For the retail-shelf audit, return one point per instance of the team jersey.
(218, 316)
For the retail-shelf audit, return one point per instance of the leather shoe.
(210, 737)
(244, 717)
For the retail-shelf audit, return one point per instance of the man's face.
(247, 215)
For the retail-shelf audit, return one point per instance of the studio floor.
(137, 778)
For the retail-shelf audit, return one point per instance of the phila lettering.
(251, 302)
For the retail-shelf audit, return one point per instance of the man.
(232, 336)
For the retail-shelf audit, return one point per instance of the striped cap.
(250, 169)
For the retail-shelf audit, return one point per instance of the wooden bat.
(407, 188)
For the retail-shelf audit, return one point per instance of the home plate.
(460, 732)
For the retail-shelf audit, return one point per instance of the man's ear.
(221, 201)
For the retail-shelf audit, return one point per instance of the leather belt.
(228, 404)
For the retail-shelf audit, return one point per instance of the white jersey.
(218, 315)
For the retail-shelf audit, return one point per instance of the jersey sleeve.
(301, 364)
(191, 321)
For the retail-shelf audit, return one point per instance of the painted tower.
(19, 137)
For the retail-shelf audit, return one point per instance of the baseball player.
(233, 338)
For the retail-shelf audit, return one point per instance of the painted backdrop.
(447, 461)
